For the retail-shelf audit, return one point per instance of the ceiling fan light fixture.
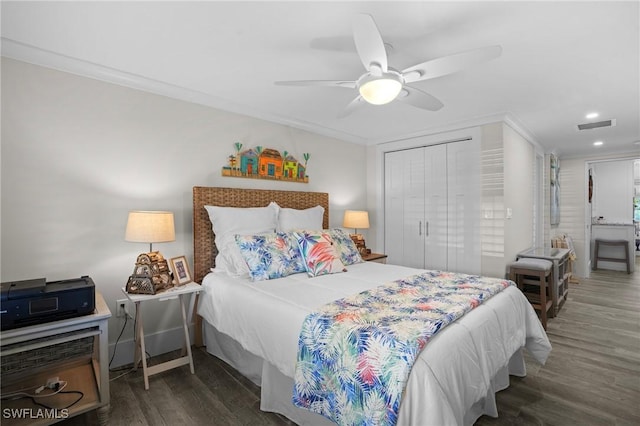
(380, 90)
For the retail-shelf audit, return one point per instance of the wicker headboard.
(204, 250)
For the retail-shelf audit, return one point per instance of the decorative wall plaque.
(266, 163)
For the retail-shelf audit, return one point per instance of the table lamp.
(357, 219)
(151, 272)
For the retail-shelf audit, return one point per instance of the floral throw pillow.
(270, 256)
(345, 246)
(319, 253)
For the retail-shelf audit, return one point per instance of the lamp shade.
(150, 227)
(357, 219)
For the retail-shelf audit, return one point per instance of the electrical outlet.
(121, 308)
(52, 382)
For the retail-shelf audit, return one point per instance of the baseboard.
(155, 344)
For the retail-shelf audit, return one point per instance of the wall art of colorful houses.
(266, 163)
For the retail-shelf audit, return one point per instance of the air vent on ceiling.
(597, 124)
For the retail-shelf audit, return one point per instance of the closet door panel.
(435, 207)
(404, 207)
(394, 207)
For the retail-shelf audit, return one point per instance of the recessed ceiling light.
(598, 143)
(591, 115)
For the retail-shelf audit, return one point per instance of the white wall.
(78, 154)
(508, 184)
(519, 160)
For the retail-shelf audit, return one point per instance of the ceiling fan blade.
(369, 42)
(327, 83)
(419, 99)
(353, 105)
(450, 64)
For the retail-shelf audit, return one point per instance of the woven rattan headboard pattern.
(204, 250)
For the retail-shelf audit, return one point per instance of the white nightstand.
(140, 353)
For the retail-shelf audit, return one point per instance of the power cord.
(62, 408)
(54, 385)
(115, 346)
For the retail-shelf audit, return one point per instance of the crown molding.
(26, 53)
(505, 117)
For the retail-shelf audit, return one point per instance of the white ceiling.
(560, 61)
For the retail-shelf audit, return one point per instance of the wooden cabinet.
(71, 352)
(432, 207)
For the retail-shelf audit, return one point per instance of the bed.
(255, 326)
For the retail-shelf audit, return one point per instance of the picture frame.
(180, 269)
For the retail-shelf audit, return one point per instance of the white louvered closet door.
(432, 207)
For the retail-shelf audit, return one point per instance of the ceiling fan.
(381, 84)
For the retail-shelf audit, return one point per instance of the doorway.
(610, 203)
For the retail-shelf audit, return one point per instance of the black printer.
(36, 301)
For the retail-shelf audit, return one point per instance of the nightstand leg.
(136, 339)
(187, 341)
(190, 310)
(141, 352)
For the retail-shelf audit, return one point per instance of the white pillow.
(227, 222)
(290, 219)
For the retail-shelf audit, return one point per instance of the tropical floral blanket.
(355, 354)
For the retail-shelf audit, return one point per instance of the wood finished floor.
(592, 376)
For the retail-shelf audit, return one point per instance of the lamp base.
(151, 274)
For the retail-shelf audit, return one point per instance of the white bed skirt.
(276, 388)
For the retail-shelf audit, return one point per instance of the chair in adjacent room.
(534, 278)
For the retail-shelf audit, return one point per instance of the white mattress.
(455, 370)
